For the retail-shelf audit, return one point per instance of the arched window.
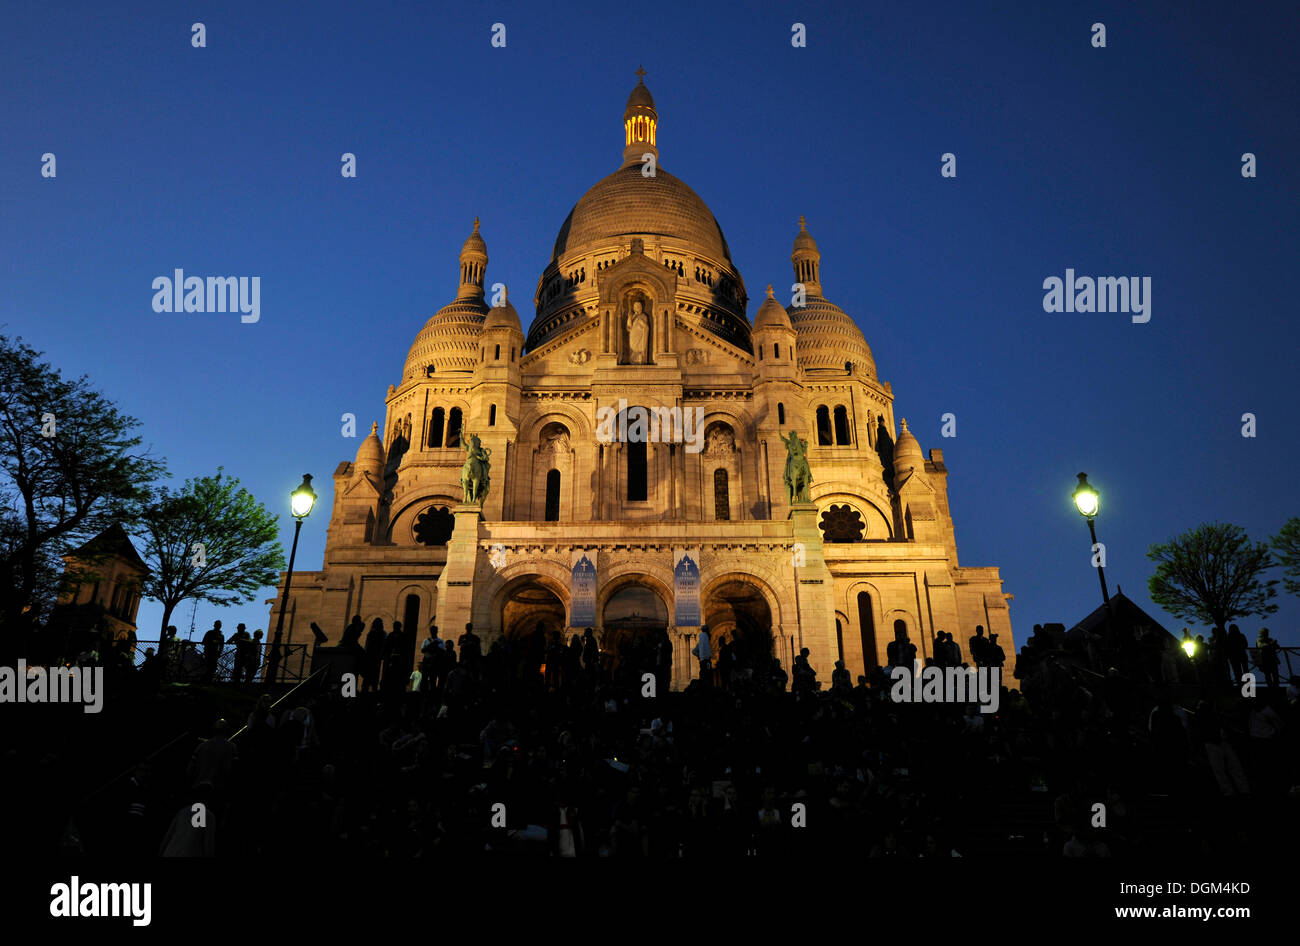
(867, 625)
(553, 496)
(907, 523)
(823, 426)
(636, 471)
(780, 413)
(492, 415)
(841, 426)
(776, 350)
(498, 354)
(512, 352)
(721, 495)
(453, 427)
(760, 352)
(435, 427)
(839, 637)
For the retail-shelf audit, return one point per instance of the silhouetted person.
(704, 651)
(1266, 657)
(976, 647)
(242, 641)
(396, 656)
(213, 642)
(590, 651)
(471, 648)
(554, 660)
(352, 633)
(841, 679)
(1238, 652)
(372, 667)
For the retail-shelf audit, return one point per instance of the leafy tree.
(69, 468)
(210, 540)
(1211, 574)
(1287, 546)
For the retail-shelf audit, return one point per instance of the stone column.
(814, 592)
(456, 583)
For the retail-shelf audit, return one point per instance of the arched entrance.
(532, 613)
(635, 623)
(738, 615)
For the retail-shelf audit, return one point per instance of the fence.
(185, 662)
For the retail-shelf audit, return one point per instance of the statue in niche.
(637, 324)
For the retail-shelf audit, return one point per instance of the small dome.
(804, 240)
(370, 455)
(448, 342)
(474, 243)
(907, 452)
(503, 316)
(771, 314)
(828, 338)
(639, 99)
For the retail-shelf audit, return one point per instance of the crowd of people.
(463, 749)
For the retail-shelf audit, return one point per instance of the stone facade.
(642, 307)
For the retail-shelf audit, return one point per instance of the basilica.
(646, 458)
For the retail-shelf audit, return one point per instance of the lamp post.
(1087, 500)
(301, 501)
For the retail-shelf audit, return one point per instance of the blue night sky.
(1117, 161)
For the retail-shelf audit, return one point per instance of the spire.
(473, 266)
(807, 260)
(640, 123)
(770, 294)
(904, 424)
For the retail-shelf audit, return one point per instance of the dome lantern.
(640, 124)
(807, 261)
(473, 266)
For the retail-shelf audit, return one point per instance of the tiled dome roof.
(828, 337)
(448, 341)
(627, 204)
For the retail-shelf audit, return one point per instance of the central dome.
(627, 204)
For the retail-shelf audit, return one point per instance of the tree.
(1287, 546)
(209, 540)
(69, 468)
(1211, 574)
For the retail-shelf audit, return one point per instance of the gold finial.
(374, 428)
(769, 290)
(904, 425)
(476, 224)
(640, 75)
(802, 225)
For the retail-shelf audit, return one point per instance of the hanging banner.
(582, 589)
(686, 587)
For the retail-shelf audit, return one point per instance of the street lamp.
(1087, 500)
(301, 501)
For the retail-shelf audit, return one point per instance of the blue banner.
(582, 590)
(686, 587)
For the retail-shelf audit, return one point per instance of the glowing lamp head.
(302, 499)
(1189, 647)
(1086, 499)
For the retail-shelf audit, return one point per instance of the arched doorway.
(635, 621)
(532, 613)
(738, 615)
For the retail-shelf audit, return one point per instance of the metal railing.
(186, 662)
